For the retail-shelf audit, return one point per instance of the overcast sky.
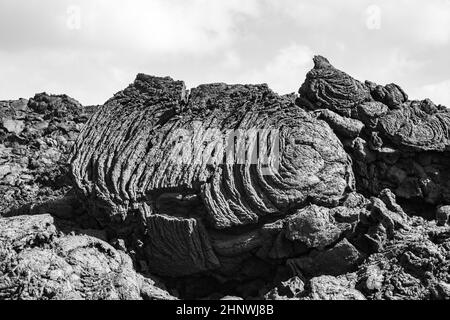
(90, 49)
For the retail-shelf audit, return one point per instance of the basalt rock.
(413, 265)
(326, 87)
(334, 288)
(157, 145)
(37, 261)
(390, 95)
(418, 126)
(36, 136)
(149, 140)
(226, 191)
(292, 288)
(395, 143)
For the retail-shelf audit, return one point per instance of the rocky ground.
(131, 200)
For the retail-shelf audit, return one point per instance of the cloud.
(286, 71)
(418, 22)
(44, 45)
(152, 26)
(173, 26)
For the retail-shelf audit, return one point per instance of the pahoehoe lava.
(341, 191)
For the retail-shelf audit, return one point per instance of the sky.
(91, 49)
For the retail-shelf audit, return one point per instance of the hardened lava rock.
(326, 87)
(394, 142)
(148, 141)
(36, 136)
(38, 262)
(419, 126)
(155, 146)
(226, 191)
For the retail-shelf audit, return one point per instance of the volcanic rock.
(413, 265)
(36, 136)
(152, 143)
(403, 145)
(340, 259)
(226, 191)
(13, 126)
(39, 262)
(143, 125)
(332, 288)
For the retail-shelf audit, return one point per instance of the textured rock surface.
(326, 87)
(39, 262)
(314, 226)
(173, 241)
(418, 125)
(35, 138)
(403, 145)
(340, 259)
(443, 215)
(153, 145)
(179, 184)
(413, 265)
(331, 288)
(148, 139)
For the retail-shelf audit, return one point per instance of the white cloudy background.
(91, 49)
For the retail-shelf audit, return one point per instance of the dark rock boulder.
(148, 139)
(395, 143)
(326, 87)
(36, 136)
(314, 227)
(418, 126)
(390, 95)
(345, 127)
(413, 265)
(443, 215)
(340, 259)
(39, 262)
(226, 191)
(178, 246)
(333, 288)
(240, 155)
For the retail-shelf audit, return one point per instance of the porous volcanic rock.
(326, 87)
(414, 264)
(37, 261)
(154, 144)
(394, 142)
(226, 191)
(36, 136)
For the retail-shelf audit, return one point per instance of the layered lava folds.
(326, 87)
(244, 151)
(395, 143)
(418, 125)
